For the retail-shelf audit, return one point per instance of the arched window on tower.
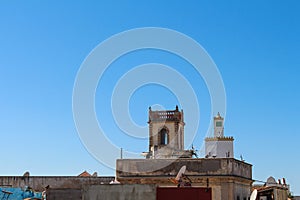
(164, 137)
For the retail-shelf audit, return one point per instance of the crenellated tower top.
(165, 115)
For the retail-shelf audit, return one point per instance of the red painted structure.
(184, 193)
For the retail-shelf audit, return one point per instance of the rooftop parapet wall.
(194, 167)
(39, 183)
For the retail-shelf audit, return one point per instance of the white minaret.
(219, 146)
(218, 126)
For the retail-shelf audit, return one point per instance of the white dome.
(271, 181)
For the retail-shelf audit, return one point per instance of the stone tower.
(219, 146)
(166, 133)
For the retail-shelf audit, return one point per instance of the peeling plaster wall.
(170, 167)
(227, 177)
(38, 183)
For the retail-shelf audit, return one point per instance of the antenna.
(241, 156)
(194, 151)
(253, 195)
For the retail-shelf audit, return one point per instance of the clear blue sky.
(255, 45)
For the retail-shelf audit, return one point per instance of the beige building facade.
(227, 177)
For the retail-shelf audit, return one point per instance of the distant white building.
(219, 146)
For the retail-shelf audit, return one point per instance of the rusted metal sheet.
(190, 193)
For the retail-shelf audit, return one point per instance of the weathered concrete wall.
(170, 167)
(242, 191)
(38, 183)
(119, 192)
(227, 177)
(65, 194)
(281, 194)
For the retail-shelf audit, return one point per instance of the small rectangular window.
(218, 124)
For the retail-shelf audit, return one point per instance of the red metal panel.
(190, 193)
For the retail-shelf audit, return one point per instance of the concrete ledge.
(194, 167)
(38, 183)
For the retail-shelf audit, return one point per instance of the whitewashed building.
(219, 146)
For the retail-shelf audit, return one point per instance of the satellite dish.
(114, 182)
(144, 154)
(26, 174)
(253, 195)
(181, 171)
